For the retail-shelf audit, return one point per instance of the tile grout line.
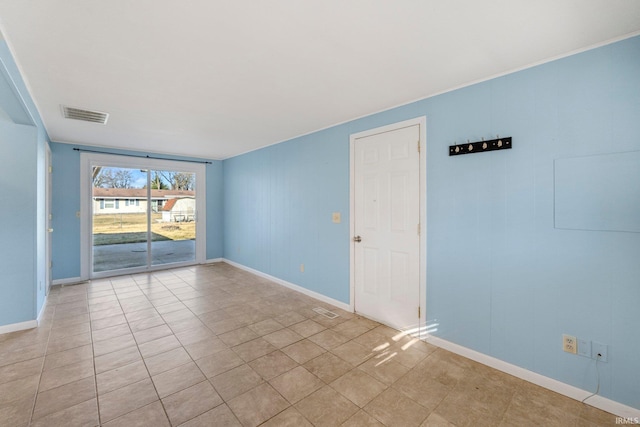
(138, 349)
(93, 353)
(207, 379)
(42, 370)
(131, 331)
(164, 409)
(173, 333)
(44, 358)
(192, 360)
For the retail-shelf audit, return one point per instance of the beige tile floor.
(213, 345)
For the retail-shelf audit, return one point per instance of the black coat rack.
(480, 146)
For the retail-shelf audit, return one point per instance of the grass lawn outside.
(109, 229)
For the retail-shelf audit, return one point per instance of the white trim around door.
(48, 185)
(422, 123)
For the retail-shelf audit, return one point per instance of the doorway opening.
(141, 214)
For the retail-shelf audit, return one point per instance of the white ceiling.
(214, 79)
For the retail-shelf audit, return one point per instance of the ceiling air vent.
(85, 115)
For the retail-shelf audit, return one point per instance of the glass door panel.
(173, 216)
(119, 218)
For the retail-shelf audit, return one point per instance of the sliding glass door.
(173, 217)
(143, 214)
(120, 226)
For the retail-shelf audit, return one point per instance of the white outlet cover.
(598, 348)
(584, 348)
(569, 344)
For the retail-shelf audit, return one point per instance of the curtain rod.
(142, 157)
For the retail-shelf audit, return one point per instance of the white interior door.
(386, 226)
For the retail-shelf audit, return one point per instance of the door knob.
(50, 230)
(357, 239)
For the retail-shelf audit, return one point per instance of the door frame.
(48, 183)
(422, 250)
(87, 159)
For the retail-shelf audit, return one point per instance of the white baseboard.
(293, 286)
(44, 306)
(211, 261)
(68, 281)
(29, 324)
(599, 402)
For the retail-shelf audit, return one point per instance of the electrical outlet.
(569, 344)
(584, 348)
(335, 217)
(301, 268)
(599, 351)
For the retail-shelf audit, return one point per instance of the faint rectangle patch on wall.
(600, 193)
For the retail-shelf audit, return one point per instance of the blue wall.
(278, 204)
(66, 202)
(18, 219)
(500, 278)
(23, 143)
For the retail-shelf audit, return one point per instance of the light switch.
(336, 217)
